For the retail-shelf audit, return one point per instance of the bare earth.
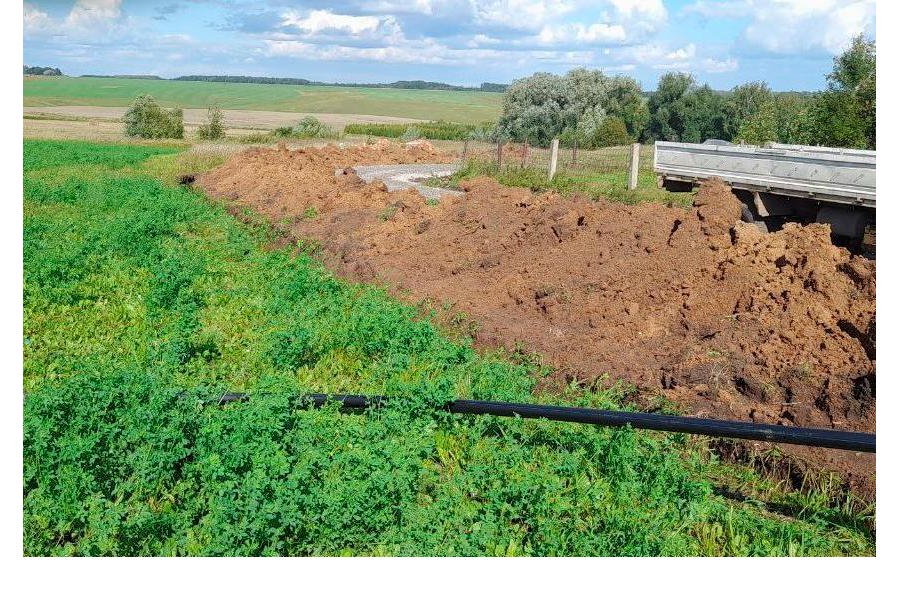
(691, 304)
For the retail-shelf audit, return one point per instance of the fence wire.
(612, 163)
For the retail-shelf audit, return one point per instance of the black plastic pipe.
(803, 436)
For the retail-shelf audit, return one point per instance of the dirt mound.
(723, 319)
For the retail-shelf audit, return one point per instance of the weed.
(387, 213)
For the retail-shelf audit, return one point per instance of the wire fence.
(612, 163)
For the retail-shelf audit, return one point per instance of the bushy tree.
(793, 118)
(743, 104)
(760, 126)
(612, 132)
(214, 127)
(147, 119)
(844, 115)
(680, 111)
(544, 106)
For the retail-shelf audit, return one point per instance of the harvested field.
(239, 119)
(720, 318)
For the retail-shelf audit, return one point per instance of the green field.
(460, 107)
(144, 302)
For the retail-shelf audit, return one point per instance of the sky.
(788, 43)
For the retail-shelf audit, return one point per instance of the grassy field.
(144, 302)
(460, 107)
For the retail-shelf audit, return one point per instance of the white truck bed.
(832, 175)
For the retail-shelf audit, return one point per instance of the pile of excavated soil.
(725, 320)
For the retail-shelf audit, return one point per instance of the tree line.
(26, 70)
(416, 84)
(591, 109)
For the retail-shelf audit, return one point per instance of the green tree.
(680, 111)
(845, 114)
(667, 106)
(744, 102)
(793, 118)
(760, 126)
(544, 106)
(612, 132)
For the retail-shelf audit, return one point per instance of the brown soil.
(720, 318)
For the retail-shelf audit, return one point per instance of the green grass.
(143, 302)
(435, 130)
(612, 186)
(463, 107)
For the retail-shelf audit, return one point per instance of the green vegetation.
(214, 127)
(434, 130)
(417, 84)
(146, 119)
(41, 71)
(465, 107)
(591, 109)
(611, 185)
(573, 106)
(144, 302)
(309, 127)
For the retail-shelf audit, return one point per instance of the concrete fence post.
(499, 154)
(554, 155)
(633, 165)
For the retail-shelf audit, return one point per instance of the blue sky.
(788, 43)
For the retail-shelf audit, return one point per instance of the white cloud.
(712, 65)
(422, 7)
(653, 11)
(597, 33)
(794, 26)
(682, 54)
(35, 19)
(88, 13)
(525, 15)
(685, 58)
(87, 21)
(317, 21)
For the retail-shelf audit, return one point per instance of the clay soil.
(692, 304)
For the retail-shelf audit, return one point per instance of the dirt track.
(722, 319)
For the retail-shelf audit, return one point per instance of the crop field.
(145, 301)
(459, 107)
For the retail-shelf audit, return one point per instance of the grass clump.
(144, 302)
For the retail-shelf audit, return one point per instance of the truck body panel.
(829, 175)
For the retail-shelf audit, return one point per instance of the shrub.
(214, 127)
(311, 127)
(411, 133)
(612, 132)
(147, 119)
(308, 128)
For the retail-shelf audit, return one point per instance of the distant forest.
(400, 85)
(26, 70)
